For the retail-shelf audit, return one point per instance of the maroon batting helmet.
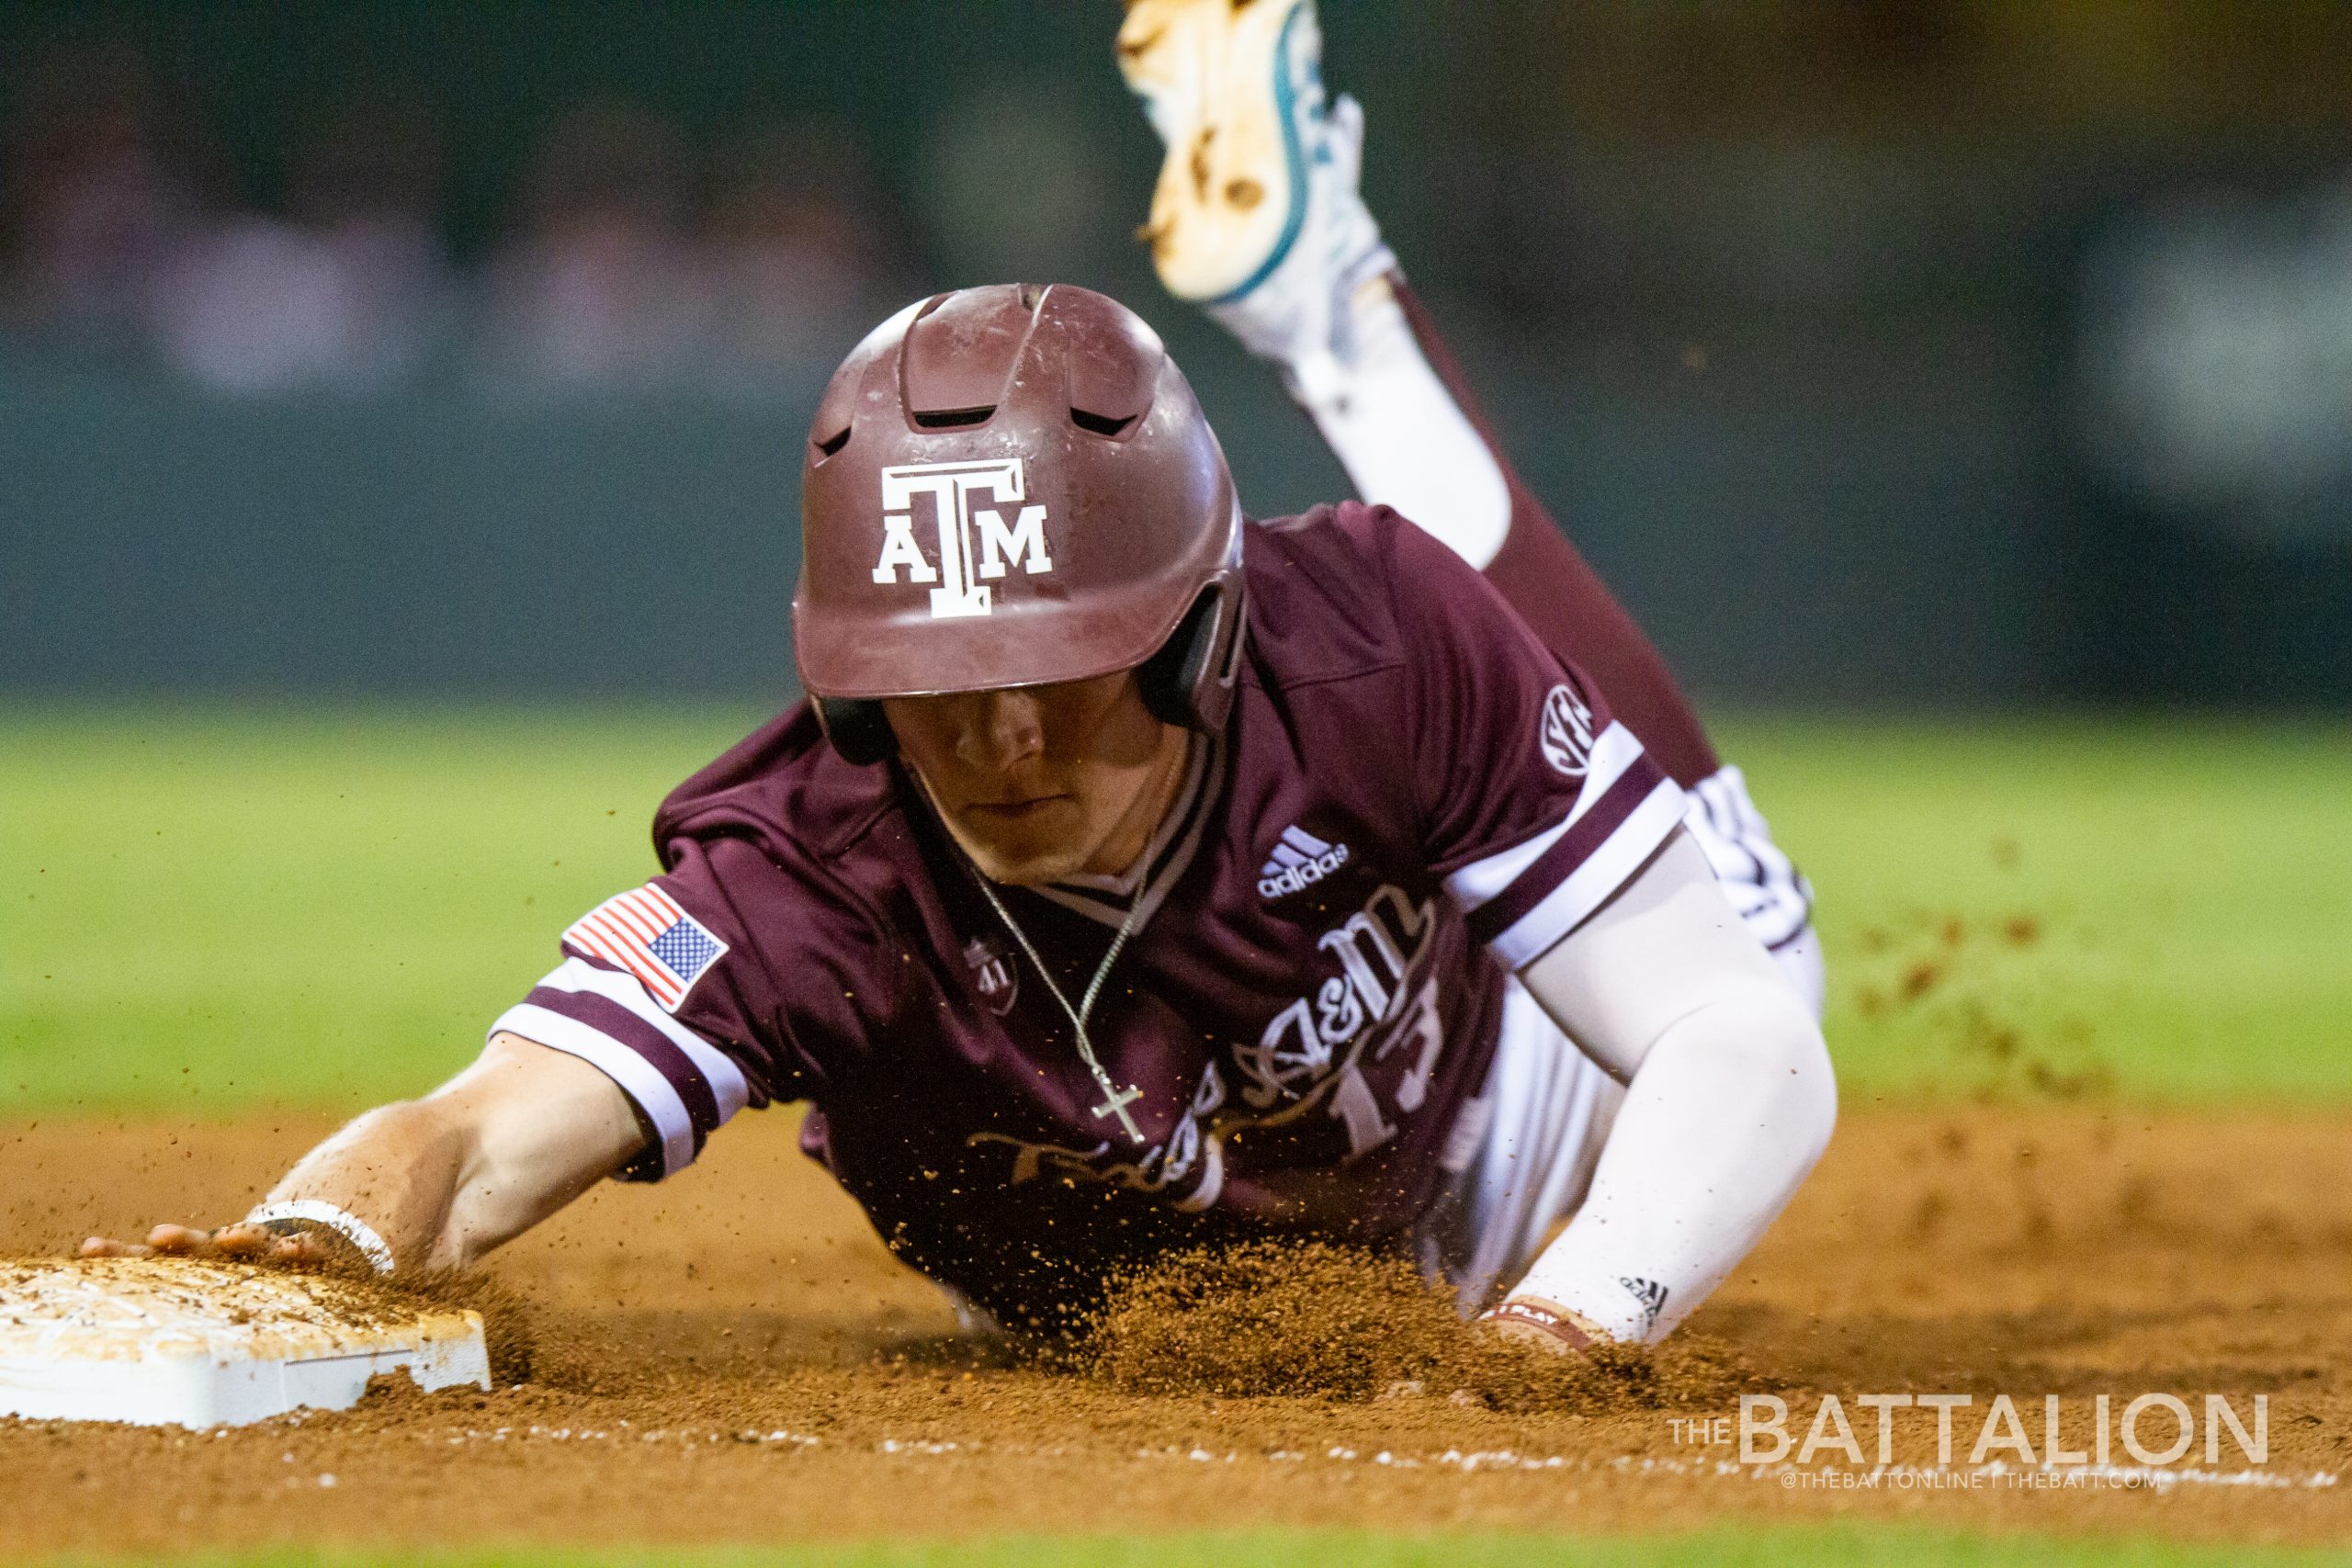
(1009, 486)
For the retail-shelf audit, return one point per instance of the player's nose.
(1008, 730)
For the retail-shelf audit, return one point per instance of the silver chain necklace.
(1114, 1100)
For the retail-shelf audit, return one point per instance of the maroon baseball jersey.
(1412, 796)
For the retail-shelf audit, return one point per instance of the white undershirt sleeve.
(1729, 1101)
(1403, 440)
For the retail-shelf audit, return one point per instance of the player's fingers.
(259, 1242)
(243, 1241)
(300, 1248)
(107, 1247)
(179, 1239)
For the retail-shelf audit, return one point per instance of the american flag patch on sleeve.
(645, 932)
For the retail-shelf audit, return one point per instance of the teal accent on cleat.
(1293, 156)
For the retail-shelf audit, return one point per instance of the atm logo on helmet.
(975, 544)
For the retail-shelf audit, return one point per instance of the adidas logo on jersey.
(1300, 859)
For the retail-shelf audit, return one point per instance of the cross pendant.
(1116, 1105)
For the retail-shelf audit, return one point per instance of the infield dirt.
(732, 1356)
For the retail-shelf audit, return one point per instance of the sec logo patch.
(1568, 732)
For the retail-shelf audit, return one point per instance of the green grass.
(2185, 890)
(209, 910)
(199, 911)
(1766, 1547)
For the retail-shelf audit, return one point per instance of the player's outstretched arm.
(435, 1184)
(1729, 1102)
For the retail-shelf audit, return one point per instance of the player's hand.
(235, 1244)
(1539, 1324)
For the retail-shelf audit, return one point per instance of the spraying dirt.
(1316, 1321)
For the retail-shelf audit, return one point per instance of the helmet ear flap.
(858, 729)
(1189, 682)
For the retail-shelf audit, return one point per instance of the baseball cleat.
(1257, 214)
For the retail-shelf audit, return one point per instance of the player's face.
(1038, 781)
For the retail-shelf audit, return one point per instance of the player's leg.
(1258, 218)
(1554, 589)
(1402, 422)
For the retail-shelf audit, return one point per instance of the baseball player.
(1137, 874)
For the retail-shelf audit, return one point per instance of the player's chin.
(1041, 846)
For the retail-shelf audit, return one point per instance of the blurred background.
(1888, 353)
